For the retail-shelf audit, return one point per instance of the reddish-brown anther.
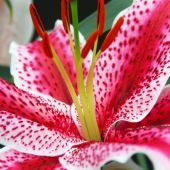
(112, 34)
(65, 14)
(101, 16)
(36, 20)
(46, 45)
(89, 44)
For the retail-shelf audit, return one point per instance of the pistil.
(92, 126)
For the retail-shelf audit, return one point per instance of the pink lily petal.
(46, 111)
(30, 137)
(33, 70)
(93, 156)
(144, 135)
(152, 141)
(160, 112)
(159, 115)
(131, 73)
(12, 159)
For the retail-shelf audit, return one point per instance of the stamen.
(51, 51)
(112, 34)
(36, 20)
(101, 16)
(89, 44)
(46, 45)
(65, 14)
(85, 106)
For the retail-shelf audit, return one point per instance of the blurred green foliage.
(9, 5)
(5, 73)
(88, 25)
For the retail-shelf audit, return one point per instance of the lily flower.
(76, 109)
(19, 25)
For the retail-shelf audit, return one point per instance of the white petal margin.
(12, 159)
(4, 149)
(20, 29)
(93, 156)
(30, 137)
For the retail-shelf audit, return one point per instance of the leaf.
(88, 25)
(168, 82)
(129, 165)
(5, 73)
(9, 5)
(142, 161)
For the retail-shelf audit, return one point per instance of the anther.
(112, 34)
(89, 44)
(46, 45)
(101, 16)
(36, 20)
(65, 14)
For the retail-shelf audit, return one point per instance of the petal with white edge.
(159, 114)
(144, 135)
(41, 109)
(131, 73)
(30, 137)
(93, 156)
(12, 159)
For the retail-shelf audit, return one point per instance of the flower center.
(85, 103)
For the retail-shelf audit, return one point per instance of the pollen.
(36, 20)
(65, 14)
(112, 34)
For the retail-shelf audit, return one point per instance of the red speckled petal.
(159, 115)
(140, 135)
(131, 73)
(46, 111)
(30, 137)
(93, 156)
(12, 159)
(143, 135)
(33, 70)
(160, 112)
